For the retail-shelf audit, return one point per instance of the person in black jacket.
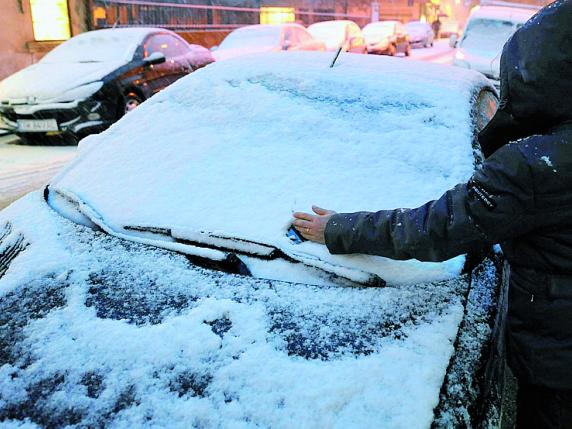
(520, 198)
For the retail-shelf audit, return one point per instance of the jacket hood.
(536, 78)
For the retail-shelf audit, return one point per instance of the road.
(26, 168)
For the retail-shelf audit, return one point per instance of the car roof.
(225, 155)
(504, 13)
(339, 22)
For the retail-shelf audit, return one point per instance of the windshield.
(378, 30)
(232, 134)
(95, 46)
(332, 33)
(488, 35)
(251, 37)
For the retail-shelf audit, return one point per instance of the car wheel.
(132, 100)
(408, 50)
(392, 50)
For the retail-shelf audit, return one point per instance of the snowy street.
(25, 168)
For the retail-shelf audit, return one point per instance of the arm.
(496, 204)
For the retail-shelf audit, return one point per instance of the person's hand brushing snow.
(311, 226)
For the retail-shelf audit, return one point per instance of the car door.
(175, 66)
(307, 42)
(155, 75)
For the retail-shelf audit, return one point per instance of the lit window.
(277, 15)
(50, 19)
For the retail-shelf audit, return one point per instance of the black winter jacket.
(520, 198)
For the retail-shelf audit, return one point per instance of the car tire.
(408, 50)
(392, 50)
(131, 101)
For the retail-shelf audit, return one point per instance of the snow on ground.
(233, 149)
(26, 168)
(440, 53)
(101, 332)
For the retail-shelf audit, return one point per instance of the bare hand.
(311, 226)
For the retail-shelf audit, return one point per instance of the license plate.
(37, 125)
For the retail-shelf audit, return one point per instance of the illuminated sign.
(277, 15)
(50, 19)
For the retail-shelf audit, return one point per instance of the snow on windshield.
(488, 35)
(254, 36)
(332, 33)
(233, 149)
(97, 46)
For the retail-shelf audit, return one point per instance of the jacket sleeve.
(496, 204)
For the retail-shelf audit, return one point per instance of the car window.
(485, 109)
(168, 45)
(303, 35)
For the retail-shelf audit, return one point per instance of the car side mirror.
(155, 58)
(453, 40)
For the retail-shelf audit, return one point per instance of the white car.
(266, 38)
(340, 33)
(486, 32)
(387, 37)
(153, 284)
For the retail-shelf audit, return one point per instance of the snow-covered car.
(420, 34)
(341, 33)
(91, 80)
(487, 30)
(254, 39)
(387, 37)
(155, 285)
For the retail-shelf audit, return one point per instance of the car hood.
(230, 152)
(127, 329)
(48, 82)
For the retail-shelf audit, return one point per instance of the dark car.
(91, 80)
(387, 37)
(154, 285)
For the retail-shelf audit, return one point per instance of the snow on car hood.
(49, 82)
(234, 149)
(191, 345)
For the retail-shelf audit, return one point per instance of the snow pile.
(234, 149)
(97, 331)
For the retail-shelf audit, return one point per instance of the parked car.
(420, 34)
(154, 284)
(267, 38)
(487, 30)
(387, 37)
(342, 33)
(449, 28)
(91, 80)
